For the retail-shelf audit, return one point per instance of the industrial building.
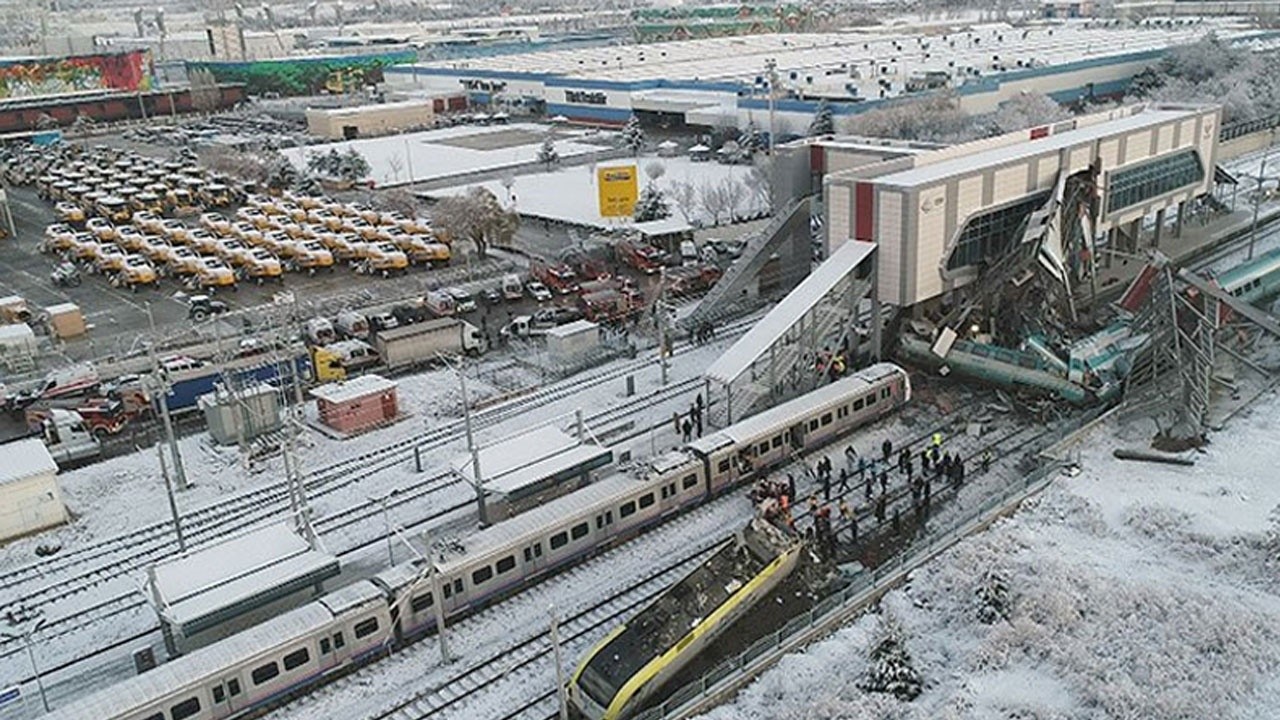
(29, 497)
(688, 82)
(348, 123)
(940, 217)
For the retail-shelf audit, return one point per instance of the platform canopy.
(209, 586)
(528, 462)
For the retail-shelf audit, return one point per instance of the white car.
(174, 363)
(463, 301)
(538, 291)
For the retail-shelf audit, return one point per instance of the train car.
(737, 452)
(629, 667)
(285, 655)
(1255, 280)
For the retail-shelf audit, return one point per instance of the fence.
(1235, 130)
(838, 607)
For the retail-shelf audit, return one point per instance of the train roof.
(506, 534)
(123, 697)
(352, 596)
(783, 416)
(1265, 264)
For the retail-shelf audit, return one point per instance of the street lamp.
(34, 623)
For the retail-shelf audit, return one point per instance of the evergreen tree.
(633, 135)
(652, 205)
(823, 122)
(993, 598)
(752, 140)
(890, 669)
(352, 166)
(547, 154)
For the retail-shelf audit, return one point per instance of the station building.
(725, 82)
(940, 216)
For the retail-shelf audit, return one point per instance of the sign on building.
(618, 188)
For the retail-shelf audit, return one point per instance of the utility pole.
(664, 333)
(34, 623)
(173, 501)
(385, 501)
(163, 390)
(477, 478)
(1257, 201)
(555, 646)
(438, 599)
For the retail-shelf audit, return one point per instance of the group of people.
(704, 333)
(775, 498)
(691, 423)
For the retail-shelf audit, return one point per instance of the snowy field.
(569, 194)
(1135, 591)
(434, 154)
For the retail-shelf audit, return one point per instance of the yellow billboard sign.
(618, 188)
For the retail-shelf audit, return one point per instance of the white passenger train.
(286, 655)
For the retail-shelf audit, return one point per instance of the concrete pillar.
(1134, 232)
(1113, 237)
(1182, 218)
(1155, 240)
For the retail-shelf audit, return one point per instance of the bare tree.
(714, 200)
(395, 163)
(398, 200)
(685, 196)
(732, 193)
(477, 216)
(759, 183)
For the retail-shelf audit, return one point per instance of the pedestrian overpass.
(777, 358)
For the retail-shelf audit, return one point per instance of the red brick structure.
(357, 404)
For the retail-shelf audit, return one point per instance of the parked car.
(538, 291)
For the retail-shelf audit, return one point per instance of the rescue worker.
(937, 439)
(886, 447)
(849, 456)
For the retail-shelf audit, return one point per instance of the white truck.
(422, 343)
(68, 438)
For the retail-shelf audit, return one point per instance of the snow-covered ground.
(569, 194)
(1136, 591)
(432, 154)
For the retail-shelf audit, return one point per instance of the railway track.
(249, 507)
(367, 511)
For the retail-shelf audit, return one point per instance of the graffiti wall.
(306, 75)
(35, 77)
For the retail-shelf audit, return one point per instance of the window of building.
(857, 404)
(366, 627)
(506, 564)
(764, 448)
(813, 424)
(185, 709)
(264, 673)
(1136, 184)
(157, 716)
(481, 575)
(417, 604)
(299, 657)
(559, 540)
(987, 235)
(579, 531)
(533, 551)
(723, 466)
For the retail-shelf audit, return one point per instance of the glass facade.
(988, 235)
(1133, 185)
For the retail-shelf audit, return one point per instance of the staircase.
(726, 293)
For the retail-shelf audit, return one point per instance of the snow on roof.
(737, 359)
(516, 452)
(784, 415)
(340, 392)
(16, 331)
(24, 459)
(203, 582)
(242, 649)
(61, 308)
(573, 328)
(668, 144)
(582, 456)
(968, 164)
(699, 148)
